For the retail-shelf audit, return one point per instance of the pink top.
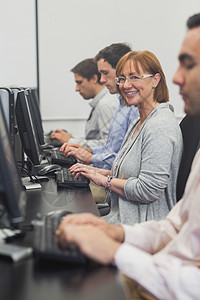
(164, 256)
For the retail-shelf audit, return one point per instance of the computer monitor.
(26, 128)
(35, 111)
(36, 115)
(7, 101)
(12, 194)
(18, 149)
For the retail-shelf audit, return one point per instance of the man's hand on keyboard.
(64, 146)
(80, 152)
(114, 231)
(91, 240)
(61, 135)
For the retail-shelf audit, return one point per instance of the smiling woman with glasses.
(142, 181)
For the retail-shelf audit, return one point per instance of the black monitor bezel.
(36, 115)
(13, 195)
(11, 113)
(26, 128)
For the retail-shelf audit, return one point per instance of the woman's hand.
(90, 172)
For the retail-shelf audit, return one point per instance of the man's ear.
(94, 78)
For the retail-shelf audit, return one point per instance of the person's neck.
(146, 109)
(98, 89)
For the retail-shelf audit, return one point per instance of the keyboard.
(45, 245)
(53, 142)
(66, 179)
(59, 158)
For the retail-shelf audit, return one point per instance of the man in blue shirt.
(104, 155)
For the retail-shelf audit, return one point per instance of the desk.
(27, 280)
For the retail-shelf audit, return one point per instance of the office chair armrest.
(104, 209)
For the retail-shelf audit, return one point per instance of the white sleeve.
(152, 236)
(164, 276)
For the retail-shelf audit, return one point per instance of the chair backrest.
(190, 127)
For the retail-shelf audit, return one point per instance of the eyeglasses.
(131, 78)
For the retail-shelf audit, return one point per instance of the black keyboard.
(45, 245)
(66, 179)
(53, 142)
(58, 157)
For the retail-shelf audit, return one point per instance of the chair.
(104, 209)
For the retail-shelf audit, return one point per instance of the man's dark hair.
(113, 53)
(193, 21)
(87, 69)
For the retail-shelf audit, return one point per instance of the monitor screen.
(36, 115)
(26, 128)
(18, 149)
(7, 101)
(12, 194)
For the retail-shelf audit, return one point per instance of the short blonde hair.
(150, 64)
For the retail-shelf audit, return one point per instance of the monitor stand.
(29, 184)
(15, 252)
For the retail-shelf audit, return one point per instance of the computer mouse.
(49, 169)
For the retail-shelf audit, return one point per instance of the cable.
(25, 169)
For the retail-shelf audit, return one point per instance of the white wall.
(70, 31)
(74, 30)
(17, 43)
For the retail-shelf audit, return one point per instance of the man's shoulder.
(190, 123)
(109, 99)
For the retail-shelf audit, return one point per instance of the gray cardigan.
(150, 162)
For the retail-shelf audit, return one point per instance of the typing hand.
(61, 135)
(80, 152)
(92, 241)
(89, 172)
(116, 232)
